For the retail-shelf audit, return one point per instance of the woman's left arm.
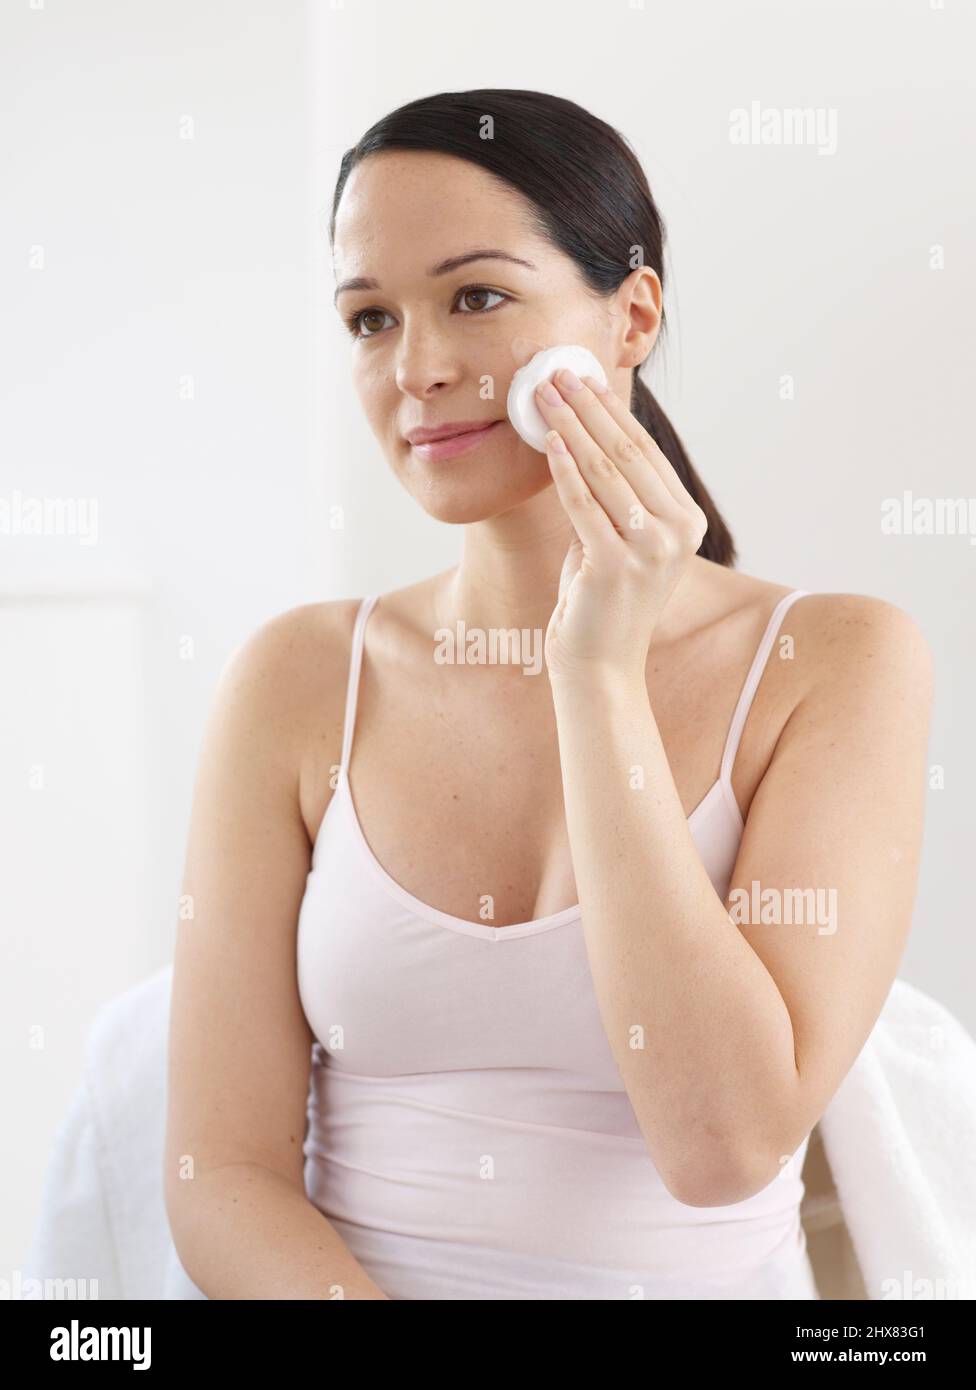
(731, 1035)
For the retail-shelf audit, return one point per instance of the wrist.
(601, 683)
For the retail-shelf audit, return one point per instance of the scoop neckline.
(513, 930)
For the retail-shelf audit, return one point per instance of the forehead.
(418, 204)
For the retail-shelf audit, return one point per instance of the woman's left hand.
(636, 528)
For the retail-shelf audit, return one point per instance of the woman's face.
(435, 343)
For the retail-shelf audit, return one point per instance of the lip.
(423, 435)
(449, 445)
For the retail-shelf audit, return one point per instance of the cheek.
(365, 383)
(378, 399)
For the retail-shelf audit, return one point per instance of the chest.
(457, 785)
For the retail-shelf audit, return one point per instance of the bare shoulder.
(857, 640)
(839, 650)
(862, 686)
(311, 642)
(281, 692)
(295, 667)
(835, 636)
(301, 643)
(293, 662)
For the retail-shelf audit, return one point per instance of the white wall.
(171, 261)
(157, 365)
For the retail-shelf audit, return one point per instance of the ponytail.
(717, 543)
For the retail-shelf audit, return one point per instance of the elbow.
(723, 1181)
(178, 1194)
(713, 1194)
(174, 1201)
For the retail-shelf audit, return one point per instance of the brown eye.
(479, 291)
(368, 323)
(477, 294)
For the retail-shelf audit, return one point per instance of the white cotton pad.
(522, 409)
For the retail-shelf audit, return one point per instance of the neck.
(508, 576)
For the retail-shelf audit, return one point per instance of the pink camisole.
(469, 1135)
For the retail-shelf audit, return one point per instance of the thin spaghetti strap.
(352, 687)
(752, 682)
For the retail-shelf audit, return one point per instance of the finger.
(594, 437)
(590, 522)
(607, 483)
(627, 421)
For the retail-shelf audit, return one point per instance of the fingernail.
(549, 393)
(570, 380)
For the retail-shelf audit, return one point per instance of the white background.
(177, 360)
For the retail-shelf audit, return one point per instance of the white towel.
(900, 1139)
(103, 1216)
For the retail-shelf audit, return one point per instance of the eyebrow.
(361, 282)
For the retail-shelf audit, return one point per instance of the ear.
(640, 299)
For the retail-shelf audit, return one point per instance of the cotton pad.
(522, 409)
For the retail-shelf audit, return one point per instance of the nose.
(426, 361)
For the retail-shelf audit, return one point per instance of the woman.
(581, 950)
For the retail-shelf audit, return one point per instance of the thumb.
(571, 564)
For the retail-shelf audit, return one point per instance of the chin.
(459, 496)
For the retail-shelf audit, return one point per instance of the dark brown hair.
(590, 197)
